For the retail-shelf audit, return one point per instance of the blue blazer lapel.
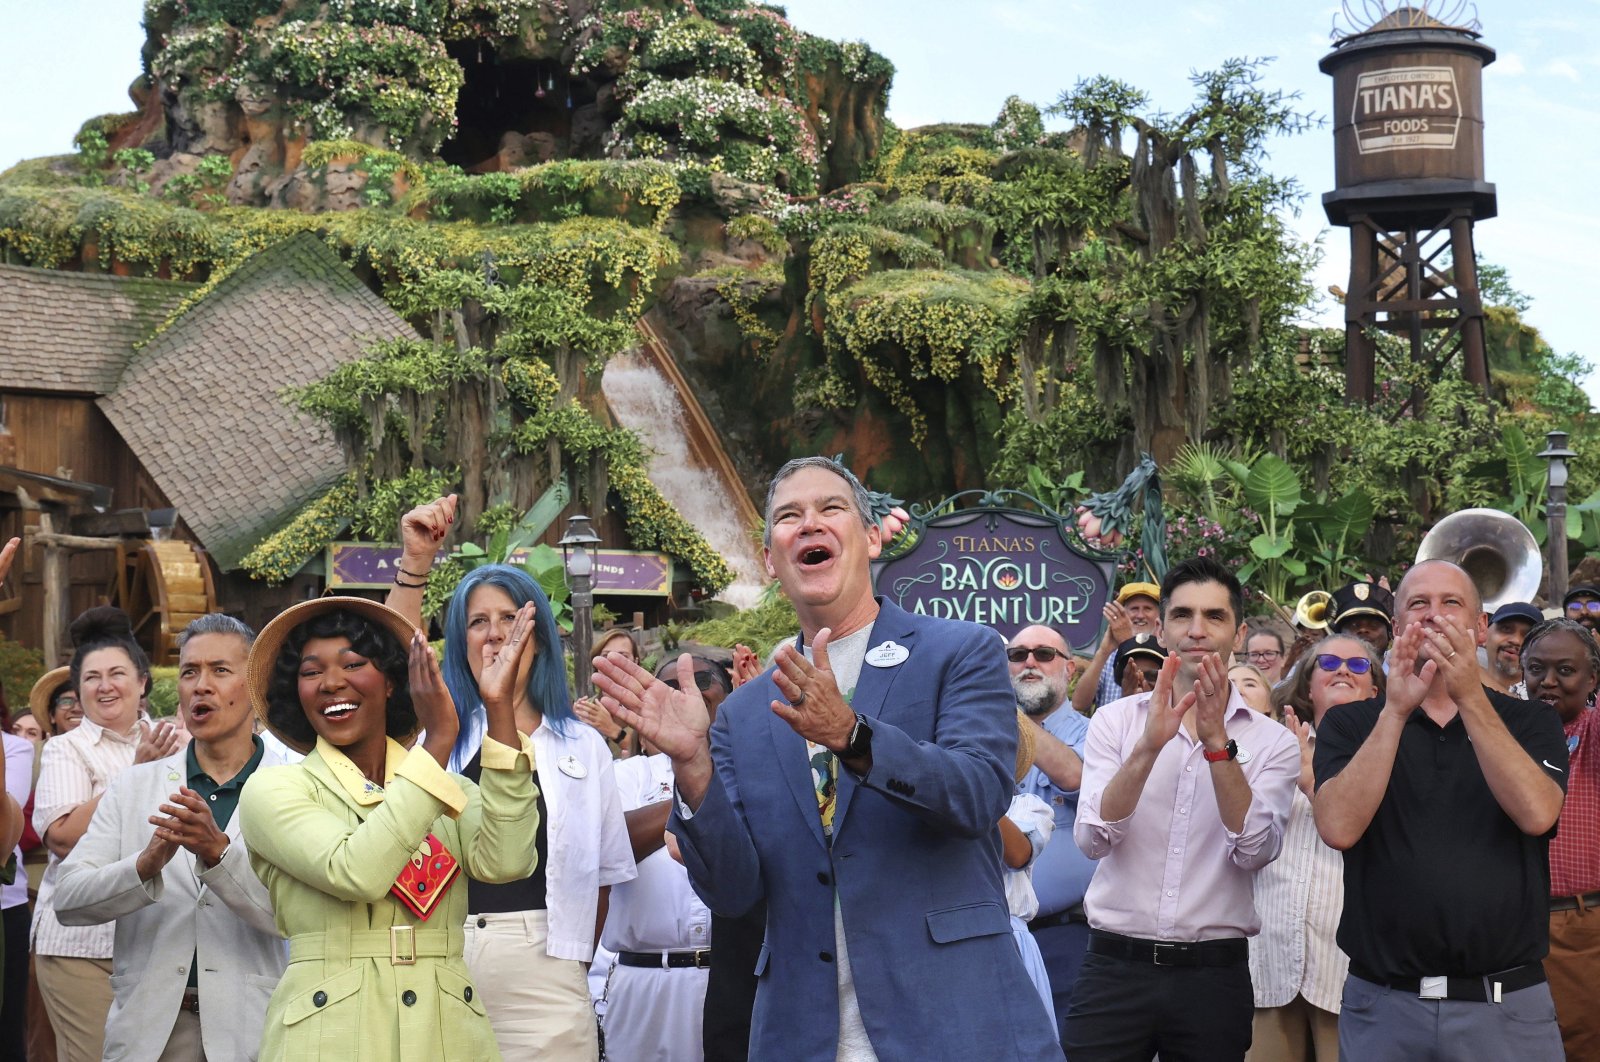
(790, 754)
(873, 685)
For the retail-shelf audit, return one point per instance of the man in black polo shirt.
(1443, 798)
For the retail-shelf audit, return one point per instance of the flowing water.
(643, 401)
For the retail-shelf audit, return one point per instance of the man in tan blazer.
(197, 954)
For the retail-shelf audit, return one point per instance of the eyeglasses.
(1042, 653)
(1578, 608)
(1358, 665)
(702, 679)
(1264, 656)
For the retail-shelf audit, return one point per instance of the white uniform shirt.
(1299, 896)
(658, 910)
(587, 837)
(1037, 821)
(19, 779)
(75, 768)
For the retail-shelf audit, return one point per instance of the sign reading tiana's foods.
(1406, 107)
(1001, 567)
(371, 566)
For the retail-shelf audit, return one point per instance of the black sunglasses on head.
(702, 679)
(1043, 653)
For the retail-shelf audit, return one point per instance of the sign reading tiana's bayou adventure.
(1002, 567)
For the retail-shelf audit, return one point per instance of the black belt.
(1575, 903)
(1073, 915)
(1231, 951)
(666, 960)
(1486, 989)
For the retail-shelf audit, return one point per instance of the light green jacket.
(328, 844)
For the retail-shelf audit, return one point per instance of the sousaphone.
(1494, 548)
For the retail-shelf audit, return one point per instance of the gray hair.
(216, 623)
(858, 494)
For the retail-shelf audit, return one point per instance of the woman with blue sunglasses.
(1296, 968)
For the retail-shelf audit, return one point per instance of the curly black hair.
(372, 641)
(105, 627)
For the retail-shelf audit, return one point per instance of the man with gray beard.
(1041, 670)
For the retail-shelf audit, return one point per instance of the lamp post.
(575, 546)
(1557, 454)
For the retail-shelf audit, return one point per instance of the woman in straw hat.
(54, 702)
(359, 845)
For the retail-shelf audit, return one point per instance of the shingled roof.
(200, 405)
(75, 332)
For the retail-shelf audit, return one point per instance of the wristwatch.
(860, 743)
(1227, 752)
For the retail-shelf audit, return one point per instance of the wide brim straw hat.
(264, 653)
(1025, 744)
(44, 692)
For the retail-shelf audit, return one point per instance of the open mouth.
(198, 712)
(815, 555)
(339, 711)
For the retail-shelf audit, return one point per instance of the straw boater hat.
(1025, 742)
(44, 691)
(264, 653)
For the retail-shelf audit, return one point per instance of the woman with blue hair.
(528, 943)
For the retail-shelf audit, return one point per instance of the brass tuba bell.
(1493, 548)
(1312, 611)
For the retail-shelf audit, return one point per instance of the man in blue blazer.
(857, 788)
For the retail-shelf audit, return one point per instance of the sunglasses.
(1578, 608)
(702, 679)
(1043, 653)
(1358, 665)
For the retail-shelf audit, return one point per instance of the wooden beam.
(135, 522)
(39, 536)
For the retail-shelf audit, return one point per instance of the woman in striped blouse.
(110, 673)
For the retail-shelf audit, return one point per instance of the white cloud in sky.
(1510, 64)
(1562, 68)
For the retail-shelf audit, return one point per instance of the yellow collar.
(361, 790)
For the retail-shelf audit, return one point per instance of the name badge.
(889, 654)
(1243, 756)
(569, 766)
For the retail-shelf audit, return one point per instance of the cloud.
(1562, 68)
(1510, 64)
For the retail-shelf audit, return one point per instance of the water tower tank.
(1408, 120)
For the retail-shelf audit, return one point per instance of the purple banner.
(619, 572)
(1004, 568)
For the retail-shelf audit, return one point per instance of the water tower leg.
(1360, 352)
(1475, 360)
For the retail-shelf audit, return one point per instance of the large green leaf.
(1296, 568)
(1349, 518)
(1272, 486)
(1268, 548)
(1525, 468)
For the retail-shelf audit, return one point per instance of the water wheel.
(162, 586)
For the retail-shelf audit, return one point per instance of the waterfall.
(644, 401)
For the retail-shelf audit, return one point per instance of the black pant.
(1126, 1011)
(14, 1000)
(731, 984)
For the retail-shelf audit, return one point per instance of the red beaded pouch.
(429, 872)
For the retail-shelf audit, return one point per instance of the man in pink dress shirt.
(1186, 792)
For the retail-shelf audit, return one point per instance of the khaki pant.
(184, 1044)
(1295, 1032)
(1573, 967)
(539, 1007)
(77, 996)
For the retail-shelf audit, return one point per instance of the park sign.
(998, 565)
(618, 572)
(1406, 107)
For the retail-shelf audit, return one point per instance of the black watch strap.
(860, 743)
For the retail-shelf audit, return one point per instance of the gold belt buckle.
(402, 946)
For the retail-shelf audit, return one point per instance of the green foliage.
(280, 555)
(20, 668)
(93, 151)
(163, 692)
(759, 230)
(762, 628)
(1019, 125)
(204, 188)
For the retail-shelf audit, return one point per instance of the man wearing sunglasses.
(1186, 793)
(1041, 669)
(1443, 796)
(1582, 603)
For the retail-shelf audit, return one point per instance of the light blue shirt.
(1061, 873)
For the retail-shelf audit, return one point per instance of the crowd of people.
(901, 837)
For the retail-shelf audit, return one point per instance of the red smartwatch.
(1227, 752)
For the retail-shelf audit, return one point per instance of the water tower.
(1409, 182)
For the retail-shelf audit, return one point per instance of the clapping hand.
(1163, 717)
(422, 531)
(1119, 628)
(503, 663)
(1212, 690)
(746, 665)
(1410, 673)
(156, 742)
(8, 553)
(430, 697)
(816, 710)
(187, 822)
(1454, 649)
(1305, 736)
(674, 721)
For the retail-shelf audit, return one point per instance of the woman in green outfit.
(338, 838)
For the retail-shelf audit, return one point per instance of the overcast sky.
(62, 61)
